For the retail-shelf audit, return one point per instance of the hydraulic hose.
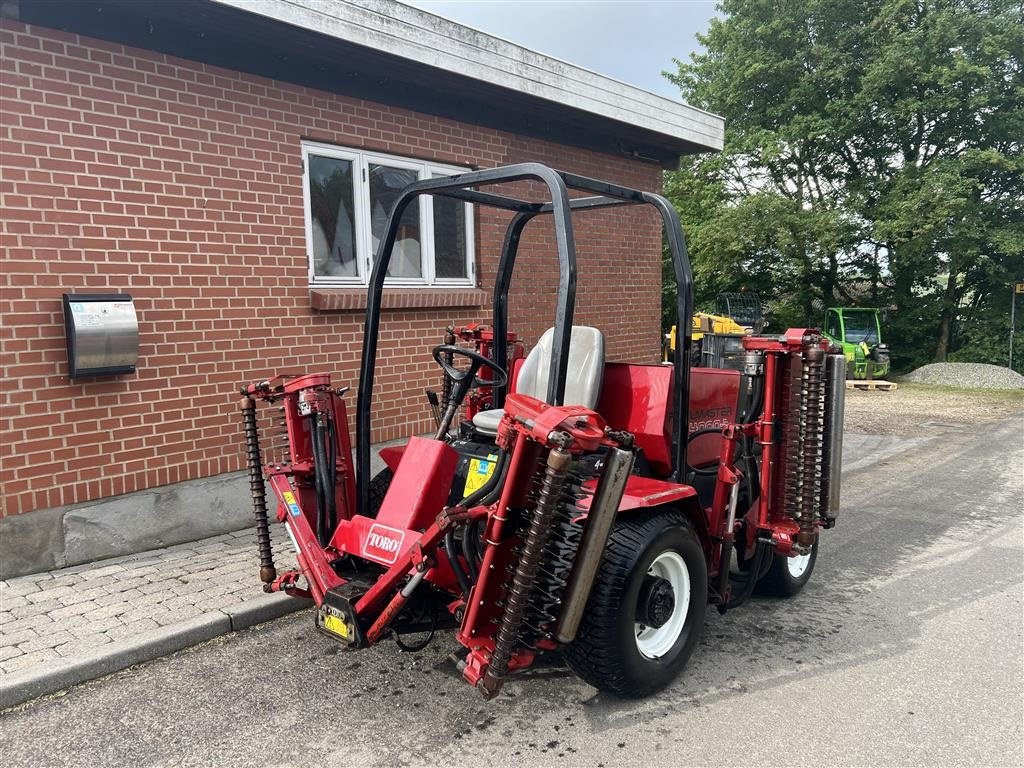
(749, 469)
(332, 476)
(486, 494)
(714, 467)
(757, 402)
(748, 417)
(324, 471)
(752, 576)
(748, 465)
(469, 551)
(326, 486)
(453, 557)
(319, 461)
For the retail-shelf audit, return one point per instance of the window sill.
(354, 299)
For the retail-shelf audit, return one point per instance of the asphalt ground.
(906, 648)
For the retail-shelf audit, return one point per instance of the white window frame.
(361, 160)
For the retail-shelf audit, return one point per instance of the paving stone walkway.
(63, 613)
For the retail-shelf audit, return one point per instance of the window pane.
(449, 237)
(333, 217)
(832, 325)
(385, 185)
(860, 326)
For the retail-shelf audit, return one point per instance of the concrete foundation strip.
(22, 686)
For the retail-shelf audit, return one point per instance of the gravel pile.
(967, 376)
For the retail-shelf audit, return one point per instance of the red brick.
(125, 170)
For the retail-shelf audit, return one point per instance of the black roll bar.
(463, 187)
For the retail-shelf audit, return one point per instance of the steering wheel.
(476, 362)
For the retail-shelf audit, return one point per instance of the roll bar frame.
(560, 207)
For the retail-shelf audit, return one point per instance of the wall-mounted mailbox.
(102, 332)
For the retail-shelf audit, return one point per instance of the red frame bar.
(311, 556)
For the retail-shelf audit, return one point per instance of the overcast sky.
(631, 40)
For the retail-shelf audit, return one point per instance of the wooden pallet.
(872, 384)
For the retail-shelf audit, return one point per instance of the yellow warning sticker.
(289, 501)
(335, 625)
(480, 471)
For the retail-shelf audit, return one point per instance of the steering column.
(463, 381)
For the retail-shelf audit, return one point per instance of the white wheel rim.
(655, 642)
(797, 565)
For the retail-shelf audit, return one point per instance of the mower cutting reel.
(565, 510)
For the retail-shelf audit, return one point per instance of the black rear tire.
(606, 652)
(786, 576)
(378, 490)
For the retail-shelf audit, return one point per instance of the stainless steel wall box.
(102, 332)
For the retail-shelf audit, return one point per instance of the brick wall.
(180, 183)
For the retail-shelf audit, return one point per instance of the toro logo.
(383, 543)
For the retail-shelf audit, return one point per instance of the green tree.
(872, 155)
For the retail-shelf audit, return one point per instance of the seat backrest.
(585, 371)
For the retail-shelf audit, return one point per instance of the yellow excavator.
(717, 338)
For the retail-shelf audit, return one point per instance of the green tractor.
(859, 332)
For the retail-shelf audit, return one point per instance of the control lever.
(435, 405)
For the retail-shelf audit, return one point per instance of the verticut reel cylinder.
(618, 465)
(525, 577)
(810, 445)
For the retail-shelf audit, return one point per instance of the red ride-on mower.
(583, 505)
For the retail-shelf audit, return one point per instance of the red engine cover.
(421, 485)
(638, 399)
(714, 393)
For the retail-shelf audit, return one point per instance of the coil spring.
(259, 497)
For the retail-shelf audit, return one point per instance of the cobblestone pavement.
(58, 614)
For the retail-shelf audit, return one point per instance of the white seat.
(583, 375)
(487, 421)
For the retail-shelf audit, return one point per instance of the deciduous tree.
(873, 155)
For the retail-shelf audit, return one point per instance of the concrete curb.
(19, 687)
(265, 607)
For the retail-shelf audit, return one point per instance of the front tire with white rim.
(787, 575)
(646, 611)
